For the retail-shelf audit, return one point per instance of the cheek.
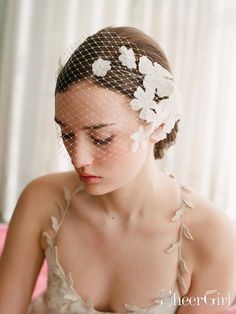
(116, 153)
(121, 146)
(121, 157)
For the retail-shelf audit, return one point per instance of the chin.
(97, 190)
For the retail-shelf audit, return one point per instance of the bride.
(119, 234)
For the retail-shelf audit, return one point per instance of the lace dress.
(61, 298)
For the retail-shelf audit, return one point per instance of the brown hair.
(102, 44)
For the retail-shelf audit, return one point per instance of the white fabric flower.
(156, 77)
(139, 138)
(100, 67)
(143, 100)
(148, 115)
(172, 116)
(158, 117)
(163, 110)
(146, 67)
(127, 57)
(168, 116)
(162, 86)
(159, 135)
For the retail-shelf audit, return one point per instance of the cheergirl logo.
(209, 298)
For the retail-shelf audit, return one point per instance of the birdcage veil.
(112, 98)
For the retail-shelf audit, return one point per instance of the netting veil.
(112, 99)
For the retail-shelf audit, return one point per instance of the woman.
(118, 233)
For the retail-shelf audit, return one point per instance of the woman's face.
(96, 124)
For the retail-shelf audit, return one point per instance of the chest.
(115, 267)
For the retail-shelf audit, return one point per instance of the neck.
(145, 196)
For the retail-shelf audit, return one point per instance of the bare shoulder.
(23, 255)
(213, 232)
(50, 185)
(45, 192)
(57, 179)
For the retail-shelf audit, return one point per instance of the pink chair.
(42, 278)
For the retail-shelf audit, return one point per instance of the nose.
(81, 155)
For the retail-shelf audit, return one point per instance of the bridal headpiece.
(112, 62)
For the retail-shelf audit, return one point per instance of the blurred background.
(199, 38)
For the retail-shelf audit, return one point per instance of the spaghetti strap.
(184, 231)
(68, 196)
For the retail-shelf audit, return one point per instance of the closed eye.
(102, 141)
(96, 141)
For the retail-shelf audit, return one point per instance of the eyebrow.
(87, 127)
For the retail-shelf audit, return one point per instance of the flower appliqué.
(143, 100)
(166, 115)
(127, 57)
(100, 67)
(139, 138)
(161, 116)
(156, 77)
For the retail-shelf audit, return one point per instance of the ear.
(156, 134)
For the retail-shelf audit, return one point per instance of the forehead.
(86, 102)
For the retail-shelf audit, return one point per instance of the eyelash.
(103, 141)
(97, 141)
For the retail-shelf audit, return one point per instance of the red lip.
(84, 174)
(90, 180)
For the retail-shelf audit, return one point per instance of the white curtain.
(199, 38)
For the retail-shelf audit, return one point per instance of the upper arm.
(22, 255)
(215, 268)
